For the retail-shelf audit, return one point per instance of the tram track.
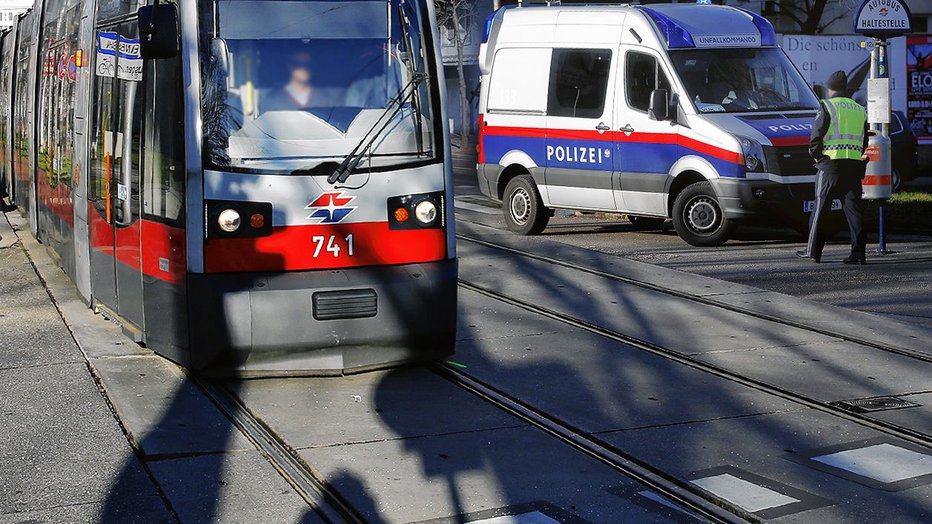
(592, 444)
(912, 436)
(701, 299)
(308, 485)
(680, 492)
(332, 508)
(686, 496)
(907, 434)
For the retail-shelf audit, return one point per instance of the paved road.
(408, 445)
(897, 284)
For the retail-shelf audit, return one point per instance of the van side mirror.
(158, 31)
(659, 108)
(220, 54)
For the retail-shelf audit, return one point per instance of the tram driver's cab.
(272, 92)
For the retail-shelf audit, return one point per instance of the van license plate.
(809, 204)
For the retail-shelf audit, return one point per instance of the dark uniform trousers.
(832, 184)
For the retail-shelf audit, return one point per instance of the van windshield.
(294, 86)
(742, 80)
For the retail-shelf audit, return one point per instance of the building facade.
(10, 9)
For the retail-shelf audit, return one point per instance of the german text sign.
(882, 18)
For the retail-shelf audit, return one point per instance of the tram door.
(116, 156)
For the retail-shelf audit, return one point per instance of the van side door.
(579, 150)
(647, 148)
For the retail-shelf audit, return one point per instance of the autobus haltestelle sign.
(882, 18)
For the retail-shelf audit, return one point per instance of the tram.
(248, 187)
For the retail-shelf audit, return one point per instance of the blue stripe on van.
(604, 155)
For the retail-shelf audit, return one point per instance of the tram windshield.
(292, 86)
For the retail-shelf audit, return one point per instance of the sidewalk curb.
(169, 422)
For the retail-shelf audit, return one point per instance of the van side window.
(518, 82)
(578, 81)
(642, 75)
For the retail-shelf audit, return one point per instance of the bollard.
(878, 182)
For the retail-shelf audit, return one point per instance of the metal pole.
(879, 70)
(882, 237)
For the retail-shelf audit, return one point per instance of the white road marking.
(746, 495)
(476, 208)
(533, 517)
(882, 462)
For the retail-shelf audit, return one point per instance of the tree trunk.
(460, 41)
(813, 10)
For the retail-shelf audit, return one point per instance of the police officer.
(837, 144)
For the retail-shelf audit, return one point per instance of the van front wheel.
(698, 217)
(523, 208)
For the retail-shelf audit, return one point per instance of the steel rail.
(702, 300)
(690, 498)
(906, 434)
(282, 457)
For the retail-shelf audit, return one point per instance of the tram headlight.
(416, 211)
(238, 219)
(425, 212)
(229, 220)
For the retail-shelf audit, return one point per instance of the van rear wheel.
(523, 208)
(698, 217)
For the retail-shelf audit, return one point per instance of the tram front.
(320, 232)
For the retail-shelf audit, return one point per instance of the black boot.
(858, 260)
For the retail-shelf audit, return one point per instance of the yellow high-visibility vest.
(845, 136)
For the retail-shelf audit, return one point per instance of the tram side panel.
(135, 186)
(164, 251)
(7, 67)
(24, 100)
(83, 60)
(116, 157)
(55, 158)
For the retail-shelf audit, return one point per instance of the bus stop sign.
(882, 18)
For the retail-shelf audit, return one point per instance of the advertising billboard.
(919, 87)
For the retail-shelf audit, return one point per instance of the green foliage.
(908, 211)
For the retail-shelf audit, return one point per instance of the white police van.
(682, 111)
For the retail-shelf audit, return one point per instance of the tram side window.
(102, 146)
(642, 76)
(164, 174)
(578, 81)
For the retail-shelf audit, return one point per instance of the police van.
(682, 111)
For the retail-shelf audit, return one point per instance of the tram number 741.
(332, 245)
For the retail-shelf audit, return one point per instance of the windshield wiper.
(411, 64)
(397, 103)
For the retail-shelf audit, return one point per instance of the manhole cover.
(865, 405)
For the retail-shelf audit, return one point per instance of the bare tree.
(809, 14)
(456, 17)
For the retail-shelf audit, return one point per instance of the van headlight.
(753, 154)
